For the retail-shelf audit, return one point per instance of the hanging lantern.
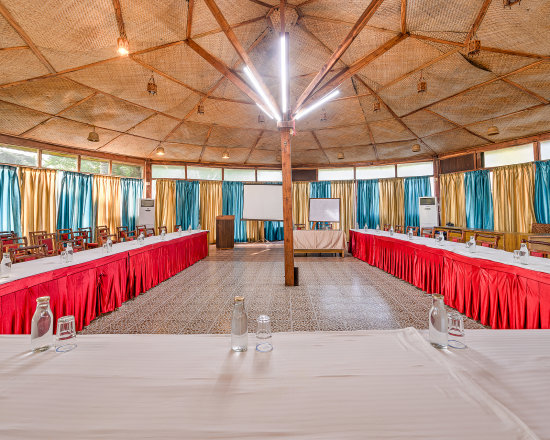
(200, 109)
(376, 106)
(415, 148)
(492, 130)
(509, 3)
(159, 151)
(261, 119)
(340, 156)
(324, 117)
(93, 136)
(152, 86)
(123, 47)
(422, 85)
(473, 47)
(225, 155)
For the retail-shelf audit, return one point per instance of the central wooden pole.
(287, 205)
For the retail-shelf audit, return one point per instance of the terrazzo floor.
(335, 293)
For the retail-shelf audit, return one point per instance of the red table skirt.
(89, 289)
(496, 294)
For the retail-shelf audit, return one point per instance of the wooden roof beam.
(456, 126)
(188, 27)
(403, 16)
(478, 20)
(354, 32)
(119, 20)
(243, 54)
(526, 90)
(319, 145)
(25, 37)
(256, 142)
(205, 142)
(371, 137)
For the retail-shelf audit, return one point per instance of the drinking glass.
(105, 248)
(456, 330)
(517, 255)
(65, 339)
(63, 257)
(263, 334)
(440, 239)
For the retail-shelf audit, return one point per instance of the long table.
(486, 285)
(318, 385)
(319, 241)
(94, 283)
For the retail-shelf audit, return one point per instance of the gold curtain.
(345, 191)
(210, 206)
(513, 193)
(38, 200)
(300, 203)
(165, 204)
(453, 199)
(107, 203)
(255, 230)
(392, 202)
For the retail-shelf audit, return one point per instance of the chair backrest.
(539, 246)
(456, 235)
(540, 228)
(162, 228)
(176, 227)
(27, 253)
(50, 241)
(80, 240)
(35, 235)
(427, 232)
(387, 227)
(123, 234)
(13, 243)
(486, 239)
(398, 229)
(299, 226)
(414, 229)
(64, 234)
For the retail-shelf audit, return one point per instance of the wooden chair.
(176, 227)
(538, 246)
(102, 233)
(6, 244)
(123, 234)
(486, 239)
(162, 228)
(456, 235)
(536, 228)
(427, 232)
(64, 234)
(35, 235)
(28, 253)
(86, 234)
(414, 229)
(398, 229)
(387, 227)
(50, 241)
(80, 241)
(7, 234)
(300, 226)
(147, 232)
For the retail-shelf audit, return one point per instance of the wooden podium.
(225, 231)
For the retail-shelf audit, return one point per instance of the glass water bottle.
(5, 268)
(439, 336)
(391, 230)
(42, 325)
(109, 244)
(70, 252)
(523, 253)
(239, 326)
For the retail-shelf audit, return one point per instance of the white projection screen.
(263, 202)
(324, 210)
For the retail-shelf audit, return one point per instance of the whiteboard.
(324, 210)
(263, 202)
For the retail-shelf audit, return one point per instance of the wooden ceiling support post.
(288, 224)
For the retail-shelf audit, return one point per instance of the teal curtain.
(368, 203)
(479, 200)
(74, 207)
(10, 200)
(274, 231)
(130, 194)
(233, 198)
(319, 190)
(187, 204)
(414, 188)
(542, 192)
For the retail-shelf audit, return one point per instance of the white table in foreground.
(319, 241)
(341, 385)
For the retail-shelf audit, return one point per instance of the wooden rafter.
(234, 26)
(119, 19)
(127, 132)
(456, 125)
(478, 20)
(354, 68)
(319, 145)
(206, 141)
(259, 2)
(256, 142)
(25, 37)
(190, 9)
(228, 31)
(4, 49)
(403, 16)
(526, 90)
(353, 33)
(371, 137)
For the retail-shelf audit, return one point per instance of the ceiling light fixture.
(200, 109)
(151, 85)
(284, 79)
(159, 151)
(492, 130)
(324, 117)
(265, 111)
(317, 104)
(422, 86)
(415, 148)
(123, 47)
(225, 155)
(509, 3)
(340, 156)
(278, 158)
(376, 106)
(473, 47)
(256, 84)
(93, 136)
(261, 119)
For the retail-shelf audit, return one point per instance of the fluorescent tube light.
(258, 88)
(317, 104)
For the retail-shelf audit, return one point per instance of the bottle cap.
(239, 298)
(43, 299)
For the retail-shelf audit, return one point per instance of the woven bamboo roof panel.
(498, 63)
(8, 36)
(237, 11)
(271, 140)
(536, 79)
(348, 11)
(232, 137)
(303, 140)
(126, 143)
(230, 114)
(214, 154)
(190, 133)
(263, 157)
(517, 125)
(154, 127)
(70, 133)
(484, 102)
(344, 136)
(16, 120)
(309, 157)
(399, 150)
(363, 153)
(19, 64)
(344, 112)
(388, 15)
(175, 151)
(49, 95)
(424, 123)
(452, 140)
(389, 130)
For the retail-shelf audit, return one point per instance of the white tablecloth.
(319, 239)
(497, 255)
(34, 267)
(349, 385)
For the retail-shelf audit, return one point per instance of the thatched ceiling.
(60, 74)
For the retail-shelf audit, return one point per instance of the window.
(126, 170)
(335, 174)
(239, 175)
(94, 166)
(59, 161)
(509, 156)
(18, 156)
(545, 150)
(380, 172)
(415, 169)
(270, 176)
(204, 173)
(167, 172)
